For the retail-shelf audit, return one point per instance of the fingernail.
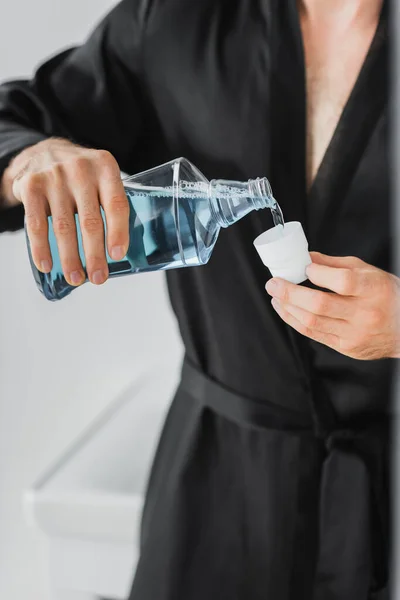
(272, 286)
(275, 303)
(98, 277)
(117, 252)
(45, 266)
(76, 277)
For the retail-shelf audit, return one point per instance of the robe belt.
(370, 444)
(368, 441)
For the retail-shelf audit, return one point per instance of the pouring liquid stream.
(277, 215)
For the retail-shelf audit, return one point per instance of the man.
(271, 477)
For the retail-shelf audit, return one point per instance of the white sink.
(89, 502)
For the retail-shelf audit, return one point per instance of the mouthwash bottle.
(175, 217)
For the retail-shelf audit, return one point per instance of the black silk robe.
(271, 480)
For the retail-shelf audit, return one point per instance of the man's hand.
(360, 319)
(58, 178)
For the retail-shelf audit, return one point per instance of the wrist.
(15, 166)
(7, 199)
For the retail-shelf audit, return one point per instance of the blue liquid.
(170, 228)
(164, 233)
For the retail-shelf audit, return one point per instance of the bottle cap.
(284, 250)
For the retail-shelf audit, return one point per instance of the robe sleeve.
(91, 94)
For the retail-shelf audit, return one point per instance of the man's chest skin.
(333, 59)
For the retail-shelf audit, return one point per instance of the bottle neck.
(233, 200)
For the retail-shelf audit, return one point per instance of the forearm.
(63, 100)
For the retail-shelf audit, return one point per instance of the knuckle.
(56, 172)
(346, 282)
(80, 167)
(108, 166)
(91, 224)
(319, 302)
(118, 204)
(82, 163)
(354, 261)
(63, 226)
(310, 321)
(32, 184)
(313, 322)
(105, 158)
(35, 224)
(285, 294)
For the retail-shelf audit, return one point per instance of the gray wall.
(61, 363)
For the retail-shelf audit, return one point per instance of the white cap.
(284, 250)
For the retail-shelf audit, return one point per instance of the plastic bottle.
(175, 217)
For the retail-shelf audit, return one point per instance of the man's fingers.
(314, 301)
(72, 179)
(340, 274)
(37, 229)
(92, 229)
(31, 192)
(349, 262)
(116, 209)
(64, 226)
(315, 322)
(357, 281)
(329, 339)
(113, 199)
(341, 280)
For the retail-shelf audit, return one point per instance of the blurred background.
(107, 339)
